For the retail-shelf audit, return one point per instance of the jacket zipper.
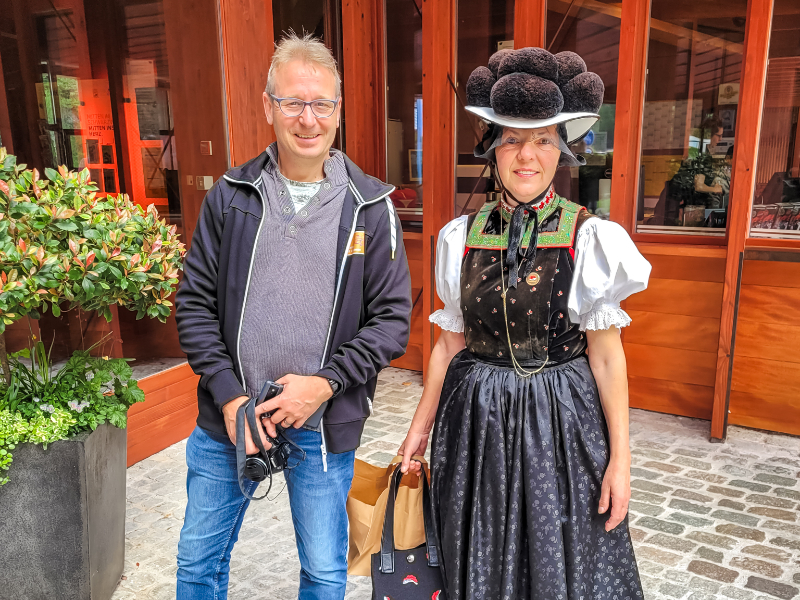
(361, 204)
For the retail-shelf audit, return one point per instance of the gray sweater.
(289, 300)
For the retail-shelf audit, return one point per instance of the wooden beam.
(247, 46)
(751, 102)
(438, 143)
(530, 23)
(630, 108)
(365, 89)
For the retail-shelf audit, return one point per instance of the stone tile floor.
(708, 520)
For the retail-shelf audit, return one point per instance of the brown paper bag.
(366, 506)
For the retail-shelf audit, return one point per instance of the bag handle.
(387, 538)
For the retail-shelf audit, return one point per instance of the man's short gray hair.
(308, 49)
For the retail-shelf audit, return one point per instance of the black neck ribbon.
(516, 231)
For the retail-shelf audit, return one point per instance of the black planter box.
(62, 518)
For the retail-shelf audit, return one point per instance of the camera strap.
(247, 411)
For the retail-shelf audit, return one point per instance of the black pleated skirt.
(517, 467)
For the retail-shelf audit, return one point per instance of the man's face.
(716, 136)
(305, 137)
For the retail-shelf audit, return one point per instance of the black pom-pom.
(535, 61)
(583, 93)
(479, 87)
(526, 96)
(569, 65)
(497, 58)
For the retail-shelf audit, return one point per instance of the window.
(694, 65)
(592, 31)
(776, 202)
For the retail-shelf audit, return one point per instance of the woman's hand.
(616, 490)
(415, 444)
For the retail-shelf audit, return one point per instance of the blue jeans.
(216, 508)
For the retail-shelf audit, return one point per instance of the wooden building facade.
(696, 155)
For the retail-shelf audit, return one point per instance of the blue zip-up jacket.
(371, 311)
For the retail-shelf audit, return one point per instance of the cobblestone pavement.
(708, 520)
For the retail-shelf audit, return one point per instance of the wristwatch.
(334, 386)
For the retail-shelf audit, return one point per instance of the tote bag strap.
(387, 539)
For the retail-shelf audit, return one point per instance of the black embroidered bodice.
(538, 323)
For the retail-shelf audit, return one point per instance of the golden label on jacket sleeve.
(358, 244)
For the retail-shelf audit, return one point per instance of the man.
(296, 273)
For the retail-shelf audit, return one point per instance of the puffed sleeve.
(608, 269)
(449, 252)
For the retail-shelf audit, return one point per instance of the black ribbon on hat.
(515, 233)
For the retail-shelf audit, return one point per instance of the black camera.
(260, 466)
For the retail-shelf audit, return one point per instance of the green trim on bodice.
(562, 237)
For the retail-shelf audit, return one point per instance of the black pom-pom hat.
(531, 88)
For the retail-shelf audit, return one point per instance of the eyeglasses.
(294, 107)
(546, 142)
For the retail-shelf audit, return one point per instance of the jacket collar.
(367, 188)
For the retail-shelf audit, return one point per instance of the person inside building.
(297, 274)
(527, 384)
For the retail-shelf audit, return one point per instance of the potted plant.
(62, 437)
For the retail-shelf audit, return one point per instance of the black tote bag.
(407, 574)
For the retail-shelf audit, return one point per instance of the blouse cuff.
(447, 321)
(604, 316)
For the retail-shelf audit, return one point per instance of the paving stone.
(770, 500)
(757, 566)
(692, 462)
(768, 552)
(727, 515)
(786, 493)
(750, 485)
(677, 481)
(774, 469)
(689, 507)
(709, 554)
(692, 452)
(689, 495)
(728, 503)
(690, 520)
(704, 585)
(702, 596)
(773, 513)
(786, 543)
(659, 525)
(776, 480)
(649, 486)
(796, 578)
(659, 466)
(709, 477)
(736, 593)
(638, 473)
(637, 535)
(773, 588)
(678, 576)
(741, 532)
(711, 539)
(647, 497)
(650, 453)
(646, 566)
(661, 557)
(644, 509)
(712, 571)
(673, 590)
(671, 543)
(725, 491)
(735, 470)
(786, 528)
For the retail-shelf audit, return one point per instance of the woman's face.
(527, 160)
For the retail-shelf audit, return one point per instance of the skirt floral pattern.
(517, 467)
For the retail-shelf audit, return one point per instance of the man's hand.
(229, 412)
(301, 398)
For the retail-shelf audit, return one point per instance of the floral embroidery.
(497, 289)
(494, 310)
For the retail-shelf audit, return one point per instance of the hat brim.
(577, 123)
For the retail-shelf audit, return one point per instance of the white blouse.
(608, 269)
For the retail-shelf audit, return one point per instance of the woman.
(530, 458)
